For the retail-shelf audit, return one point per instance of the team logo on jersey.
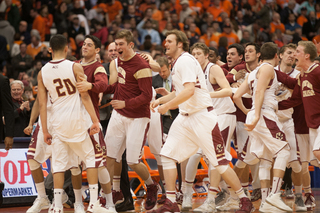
(307, 89)
(121, 75)
(98, 148)
(55, 67)
(280, 136)
(219, 148)
(31, 142)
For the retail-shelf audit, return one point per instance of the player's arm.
(162, 100)
(155, 67)
(33, 117)
(217, 76)
(286, 79)
(113, 78)
(42, 96)
(86, 100)
(99, 84)
(266, 74)
(184, 95)
(293, 101)
(237, 97)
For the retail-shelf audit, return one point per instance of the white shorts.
(227, 124)
(305, 147)
(189, 133)
(314, 141)
(288, 129)
(99, 145)
(155, 135)
(267, 137)
(241, 138)
(67, 155)
(126, 133)
(38, 149)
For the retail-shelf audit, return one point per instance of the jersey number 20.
(71, 89)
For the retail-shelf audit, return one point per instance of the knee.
(264, 170)
(305, 167)
(296, 167)
(34, 165)
(168, 163)
(316, 153)
(240, 164)
(75, 171)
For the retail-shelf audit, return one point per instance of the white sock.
(58, 197)
(240, 193)
(276, 184)
(212, 193)
(233, 194)
(298, 189)
(149, 181)
(77, 195)
(171, 195)
(307, 189)
(109, 201)
(41, 189)
(264, 194)
(188, 188)
(93, 188)
(223, 185)
(116, 183)
(183, 187)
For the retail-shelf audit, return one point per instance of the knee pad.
(296, 166)
(222, 169)
(305, 167)
(103, 175)
(315, 163)
(168, 163)
(264, 170)
(75, 171)
(240, 164)
(33, 164)
(158, 159)
(282, 160)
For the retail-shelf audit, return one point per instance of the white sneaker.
(267, 208)
(231, 204)
(39, 204)
(207, 206)
(187, 201)
(97, 208)
(112, 209)
(57, 210)
(79, 208)
(300, 207)
(275, 200)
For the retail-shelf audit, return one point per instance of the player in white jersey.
(285, 117)
(70, 120)
(220, 93)
(185, 138)
(268, 140)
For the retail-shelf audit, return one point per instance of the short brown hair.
(201, 46)
(180, 37)
(126, 34)
(163, 61)
(309, 48)
(287, 46)
(268, 51)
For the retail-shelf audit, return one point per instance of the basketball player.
(95, 83)
(286, 119)
(307, 92)
(129, 121)
(69, 121)
(184, 137)
(267, 139)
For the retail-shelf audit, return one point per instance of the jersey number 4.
(63, 85)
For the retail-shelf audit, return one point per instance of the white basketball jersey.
(49, 106)
(69, 118)
(270, 100)
(187, 69)
(220, 105)
(285, 115)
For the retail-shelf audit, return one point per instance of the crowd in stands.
(26, 27)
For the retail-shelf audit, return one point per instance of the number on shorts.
(71, 89)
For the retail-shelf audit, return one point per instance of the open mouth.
(120, 52)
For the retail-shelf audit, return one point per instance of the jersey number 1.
(71, 89)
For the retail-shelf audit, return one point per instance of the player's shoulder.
(139, 62)
(240, 66)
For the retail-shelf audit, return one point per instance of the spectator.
(215, 9)
(303, 17)
(285, 13)
(16, 45)
(248, 16)
(36, 45)
(264, 35)
(265, 13)
(61, 18)
(245, 37)
(21, 62)
(317, 37)
(148, 15)
(132, 14)
(222, 48)
(114, 8)
(24, 34)
(75, 27)
(231, 36)
(101, 31)
(33, 72)
(12, 14)
(291, 25)
(48, 19)
(77, 7)
(21, 108)
(209, 36)
(145, 28)
(192, 34)
(71, 43)
(98, 12)
(157, 15)
(196, 6)
(26, 6)
(147, 44)
(165, 19)
(186, 10)
(39, 23)
(240, 21)
(44, 56)
(4, 52)
(175, 22)
(7, 31)
(309, 5)
(276, 23)
(144, 6)
(207, 21)
(310, 28)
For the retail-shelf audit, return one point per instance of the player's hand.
(163, 109)
(154, 104)
(95, 128)
(83, 85)
(240, 74)
(235, 85)
(144, 56)
(117, 104)
(162, 91)
(250, 127)
(28, 130)
(47, 138)
(8, 141)
(100, 98)
(26, 105)
(317, 45)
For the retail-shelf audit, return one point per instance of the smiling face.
(233, 58)
(16, 91)
(288, 57)
(112, 51)
(122, 46)
(199, 55)
(88, 48)
(171, 45)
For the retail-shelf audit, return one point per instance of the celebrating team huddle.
(268, 108)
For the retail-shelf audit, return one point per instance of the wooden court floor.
(196, 202)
